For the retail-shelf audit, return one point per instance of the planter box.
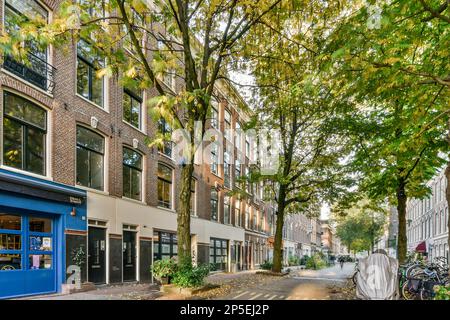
(187, 292)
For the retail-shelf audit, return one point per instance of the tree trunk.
(277, 247)
(447, 195)
(184, 215)
(401, 211)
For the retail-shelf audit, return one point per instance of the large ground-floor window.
(218, 253)
(165, 245)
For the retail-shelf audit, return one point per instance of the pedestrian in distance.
(341, 261)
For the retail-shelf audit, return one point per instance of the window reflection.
(40, 243)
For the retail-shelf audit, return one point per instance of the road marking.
(266, 295)
(272, 297)
(240, 295)
(290, 298)
(253, 293)
(325, 279)
(254, 297)
(281, 297)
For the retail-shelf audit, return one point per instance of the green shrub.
(293, 261)
(266, 265)
(316, 262)
(303, 260)
(164, 268)
(442, 293)
(188, 276)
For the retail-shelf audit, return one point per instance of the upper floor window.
(90, 158)
(238, 136)
(214, 158)
(132, 108)
(226, 210)
(164, 186)
(24, 134)
(237, 213)
(227, 118)
(94, 8)
(227, 169)
(88, 63)
(214, 115)
(247, 216)
(237, 168)
(261, 222)
(193, 200)
(169, 79)
(214, 205)
(132, 174)
(166, 130)
(247, 147)
(37, 71)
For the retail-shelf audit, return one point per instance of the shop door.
(129, 256)
(96, 255)
(27, 255)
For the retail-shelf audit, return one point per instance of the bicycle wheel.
(406, 294)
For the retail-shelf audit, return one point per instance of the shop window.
(218, 253)
(40, 225)
(10, 261)
(90, 158)
(89, 62)
(165, 245)
(10, 222)
(40, 261)
(132, 174)
(24, 134)
(164, 186)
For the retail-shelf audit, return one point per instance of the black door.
(129, 256)
(96, 255)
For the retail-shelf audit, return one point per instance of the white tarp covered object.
(377, 278)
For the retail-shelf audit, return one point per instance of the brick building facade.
(115, 198)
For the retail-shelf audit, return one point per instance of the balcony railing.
(37, 71)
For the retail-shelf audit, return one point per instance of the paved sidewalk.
(111, 292)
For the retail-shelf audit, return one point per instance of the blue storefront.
(42, 224)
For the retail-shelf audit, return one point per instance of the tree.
(394, 64)
(362, 225)
(196, 38)
(292, 100)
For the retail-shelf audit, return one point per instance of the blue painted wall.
(61, 212)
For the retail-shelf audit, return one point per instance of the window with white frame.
(226, 210)
(214, 205)
(164, 186)
(89, 62)
(237, 213)
(132, 174)
(90, 158)
(24, 134)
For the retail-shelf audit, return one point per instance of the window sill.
(135, 128)
(141, 202)
(27, 83)
(31, 174)
(165, 156)
(92, 103)
(105, 193)
(166, 209)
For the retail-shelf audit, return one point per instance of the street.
(326, 284)
(301, 285)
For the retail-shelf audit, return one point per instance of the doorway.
(96, 255)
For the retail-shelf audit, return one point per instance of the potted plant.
(164, 270)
